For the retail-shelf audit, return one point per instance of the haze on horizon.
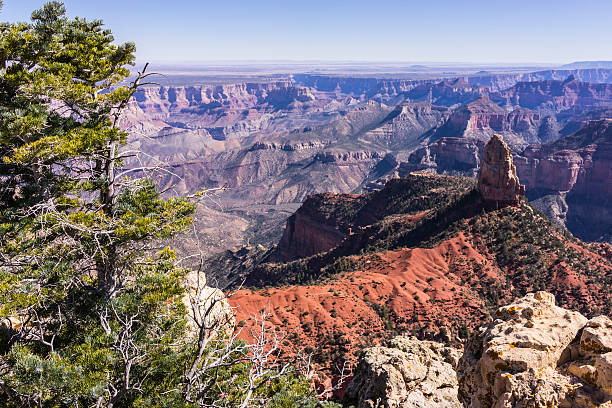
(477, 31)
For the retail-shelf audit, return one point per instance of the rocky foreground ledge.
(534, 354)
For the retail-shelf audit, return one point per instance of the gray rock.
(408, 373)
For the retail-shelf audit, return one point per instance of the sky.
(491, 31)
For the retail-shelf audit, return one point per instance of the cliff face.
(310, 230)
(562, 98)
(202, 99)
(445, 155)
(447, 93)
(482, 118)
(578, 168)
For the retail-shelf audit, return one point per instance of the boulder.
(497, 181)
(207, 307)
(408, 373)
(603, 372)
(536, 354)
(596, 337)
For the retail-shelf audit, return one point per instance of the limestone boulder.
(408, 373)
(207, 306)
(538, 355)
(596, 337)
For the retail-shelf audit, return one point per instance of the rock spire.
(498, 182)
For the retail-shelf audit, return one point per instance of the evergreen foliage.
(92, 315)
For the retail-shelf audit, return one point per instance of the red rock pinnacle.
(498, 182)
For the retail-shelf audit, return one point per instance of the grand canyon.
(266, 206)
(353, 209)
(272, 144)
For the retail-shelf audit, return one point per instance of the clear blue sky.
(555, 31)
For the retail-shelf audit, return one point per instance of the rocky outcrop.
(481, 118)
(206, 306)
(562, 98)
(446, 155)
(497, 181)
(577, 170)
(407, 373)
(536, 354)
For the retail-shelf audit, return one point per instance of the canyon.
(355, 210)
(260, 149)
(426, 256)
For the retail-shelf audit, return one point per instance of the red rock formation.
(482, 118)
(310, 231)
(497, 181)
(579, 167)
(569, 97)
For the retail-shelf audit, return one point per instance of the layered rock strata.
(497, 181)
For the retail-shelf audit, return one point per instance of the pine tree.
(93, 315)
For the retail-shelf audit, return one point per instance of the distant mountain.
(447, 93)
(499, 82)
(588, 65)
(554, 97)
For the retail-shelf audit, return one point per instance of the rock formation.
(536, 354)
(449, 154)
(481, 118)
(309, 231)
(403, 127)
(408, 373)
(574, 170)
(497, 181)
(450, 92)
(206, 306)
(564, 98)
